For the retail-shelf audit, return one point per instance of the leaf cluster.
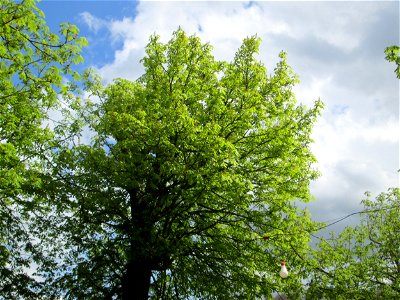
(392, 55)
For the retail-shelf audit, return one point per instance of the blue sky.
(100, 50)
(335, 47)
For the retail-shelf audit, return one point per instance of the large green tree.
(362, 262)
(190, 184)
(32, 62)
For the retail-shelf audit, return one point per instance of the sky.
(336, 48)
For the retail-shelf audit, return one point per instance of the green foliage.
(32, 63)
(192, 174)
(362, 262)
(392, 55)
(190, 167)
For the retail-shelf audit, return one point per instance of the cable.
(357, 213)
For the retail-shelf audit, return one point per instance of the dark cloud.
(311, 48)
(381, 32)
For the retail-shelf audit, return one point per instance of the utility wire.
(269, 236)
(357, 213)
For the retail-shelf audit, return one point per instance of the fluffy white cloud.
(335, 47)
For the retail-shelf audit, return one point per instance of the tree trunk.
(136, 281)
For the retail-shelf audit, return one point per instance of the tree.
(392, 55)
(32, 63)
(189, 186)
(362, 262)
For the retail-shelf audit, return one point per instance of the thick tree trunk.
(136, 281)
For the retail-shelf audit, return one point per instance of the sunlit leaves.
(393, 55)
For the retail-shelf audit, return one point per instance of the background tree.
(392, 55)
(189, 186)
(362, 262)
(32, 63)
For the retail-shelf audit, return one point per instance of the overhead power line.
(357, 213)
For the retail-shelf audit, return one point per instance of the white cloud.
(224, 26)
(92, 22)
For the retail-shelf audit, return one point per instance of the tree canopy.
(189, 186)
